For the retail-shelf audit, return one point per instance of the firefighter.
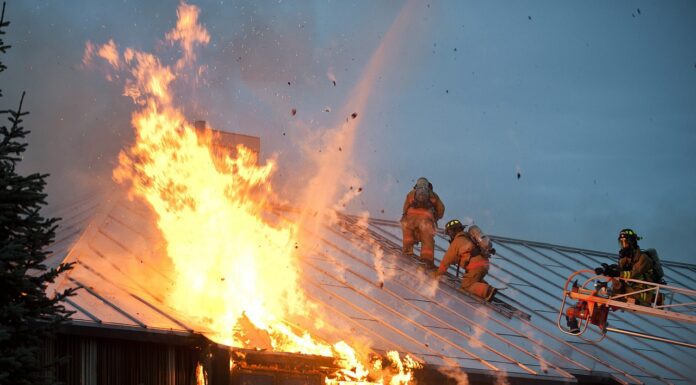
(422, 209)
(634, 263)
(472, 257)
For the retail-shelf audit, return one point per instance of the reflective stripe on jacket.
(639, 266)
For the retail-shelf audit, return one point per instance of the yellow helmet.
(453, 227)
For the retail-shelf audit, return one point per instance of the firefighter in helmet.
(422, 209)
(634, 263)
(470, 255)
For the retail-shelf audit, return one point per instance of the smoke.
(427, 285)
(77, 127)
(334, 170)
(377, 251)
(333, 167)
(260, 63)
(478, 330)
(456, 374)
(475, 338)
(501, 378)
(537, 349)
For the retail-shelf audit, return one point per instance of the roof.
(439, 324)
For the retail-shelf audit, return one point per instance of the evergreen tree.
(28, 316)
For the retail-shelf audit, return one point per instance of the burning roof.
(439, 325)
(201, 247)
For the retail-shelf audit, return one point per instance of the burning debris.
(383, 370)
(331, 76)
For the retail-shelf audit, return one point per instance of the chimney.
(199, 125)
(225, 143)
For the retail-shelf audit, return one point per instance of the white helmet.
(423, 182)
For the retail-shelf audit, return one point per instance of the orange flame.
(201, 375)
(188, 33)
(234, 271)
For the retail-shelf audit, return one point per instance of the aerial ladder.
(598, 295)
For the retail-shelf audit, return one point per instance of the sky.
(552, 121)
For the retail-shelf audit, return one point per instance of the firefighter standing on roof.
(422, 209)
(472, 255)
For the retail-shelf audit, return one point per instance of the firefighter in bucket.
(634, 264)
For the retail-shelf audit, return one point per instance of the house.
(122, 332)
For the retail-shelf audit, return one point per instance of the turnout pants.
(474, 283)
(417, 228)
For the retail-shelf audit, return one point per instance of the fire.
(234, 271)
(201, 377)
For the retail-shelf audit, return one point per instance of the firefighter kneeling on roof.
(472, 250)
(422, 209)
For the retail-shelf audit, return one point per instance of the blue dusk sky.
(552, 121)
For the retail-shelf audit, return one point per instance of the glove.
(600, 270)
(612, 270)
(492, 251)
(608, 270)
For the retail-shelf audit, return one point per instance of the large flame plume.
(233, 268)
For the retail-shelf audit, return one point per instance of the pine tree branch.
(3, 46)
(28, 315)
(3, 23)
(9, 144)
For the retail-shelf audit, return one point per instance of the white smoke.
(501, 378)
(377, 251)
(456, 374)
(537, 349)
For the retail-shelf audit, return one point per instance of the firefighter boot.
(572, 323)
(491, 294)
(408, 250)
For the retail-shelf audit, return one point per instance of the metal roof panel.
(410, 312)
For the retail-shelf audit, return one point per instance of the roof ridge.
(540, 244)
